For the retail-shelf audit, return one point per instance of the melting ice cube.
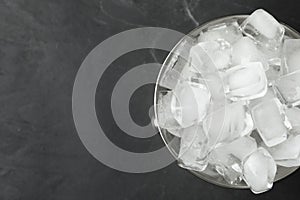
(227, 158)
(264, 29)
(270, 121)
(193, 149)
(287, 154)
(288, 88)
(259, 171)
(245, 82)
(228, 31)
(291, 55)
(293, 115)
(192, 103)
(227, 123)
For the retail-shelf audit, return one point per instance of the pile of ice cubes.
(234, 103)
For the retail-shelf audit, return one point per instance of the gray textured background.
(42, 44)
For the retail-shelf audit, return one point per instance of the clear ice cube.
(264, 29)
(274, 70)
(192, 75)
(259, 171)
(216, 87)
(245, 82)
(227, 158)
(218, 52)
(193, 149)
(165, 108)
(228, 31)
(288, 152)
(200, 60)
(244, 51)
(180, 55)
(221, 58)
(227, 123)
(270, 121)
(228, 166)
(288, 88)
(213, 82)
(293, 115)
(270, 94)
(170, 79)
(291, 55)
(192, 103)
(240, 148)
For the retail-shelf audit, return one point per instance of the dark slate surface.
(42, 44)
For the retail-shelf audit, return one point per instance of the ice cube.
(179, 69)
(288, 152)
(244, 51)
(213, 82)
(218, 52)
(274, 70)
(190, 74)
(201, 61)
(193, 149)
(170, 79)
(228, 31)
(227, 158)
(216, 87)
(293, 115)
(227, 123)
(291, 55)
(245, 82)
(228, 166)
(240, 148)
(270, 94)
(264, 29)
(180, 55)
(165, 107)
(192, 103)
(270, 121)
(259, 171)
(288, 88)
(221, 59)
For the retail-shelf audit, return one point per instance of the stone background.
(42, 44)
